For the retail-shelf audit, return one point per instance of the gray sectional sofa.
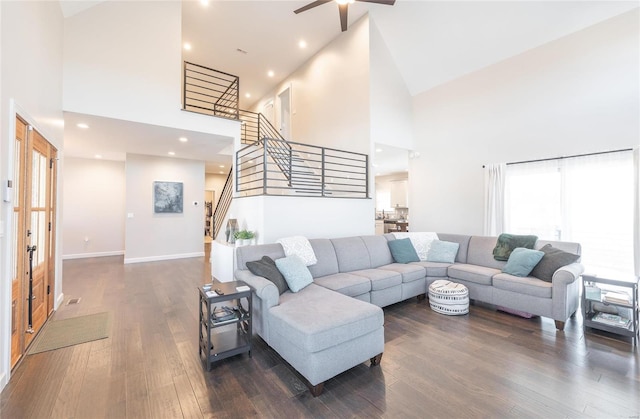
(337, 323)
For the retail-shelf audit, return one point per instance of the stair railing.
(276, 167)
(222, 207)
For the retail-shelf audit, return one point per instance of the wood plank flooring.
(485, 364)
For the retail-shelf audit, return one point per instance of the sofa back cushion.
(462, 240)
(246, 254)
(570, 247)
(378, 249)
(352, 254)
(326, 255)
(481, 252)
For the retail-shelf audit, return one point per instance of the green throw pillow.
(295, 272)
(552, 260)
(403, 251)
(267, 268)
(522, 261)
(507, 242)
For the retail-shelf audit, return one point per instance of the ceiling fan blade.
(311, 6)
(389, 2)
(343, 15)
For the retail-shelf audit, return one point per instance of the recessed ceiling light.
(98, 156)
(251, 161)
(82, 125)
(183, 139)
(378, 150)
(247, 95)
(187, 46)
(221, 166)
(171, 153)
(302, 43)
(204, 2)
(270, 73)
(221, 172)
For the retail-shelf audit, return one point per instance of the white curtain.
(636, 210)
(494, 216)
(586, 199)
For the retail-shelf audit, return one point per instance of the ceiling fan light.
(345, 1)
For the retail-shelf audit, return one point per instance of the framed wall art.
(168, 197)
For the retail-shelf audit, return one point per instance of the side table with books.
(225, 321)
(611, 305)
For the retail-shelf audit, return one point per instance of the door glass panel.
(35, 176)
(42, 181)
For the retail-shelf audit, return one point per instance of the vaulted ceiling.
(431, 42)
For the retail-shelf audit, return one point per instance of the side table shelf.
(231, 335)
(611, 315)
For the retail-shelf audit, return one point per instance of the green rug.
(58, 334)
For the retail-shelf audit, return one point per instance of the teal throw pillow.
(522, 261)
(403, 251)
(442, 251)
(295, 272)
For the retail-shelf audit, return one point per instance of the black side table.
(217, 342)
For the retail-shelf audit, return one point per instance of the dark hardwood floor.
(485, 364)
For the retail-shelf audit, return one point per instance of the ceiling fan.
(343, 6)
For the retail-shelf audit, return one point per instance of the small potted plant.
(243, 237)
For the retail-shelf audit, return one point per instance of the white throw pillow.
(299, 246)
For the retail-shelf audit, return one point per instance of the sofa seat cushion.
(434, 269)
(523, 285)
(345, 283)
(472, 273)
(380, 278)
(409, 272)
(317, 318)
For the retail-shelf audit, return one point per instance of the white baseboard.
(59, 300)
(163, 257)
(93, 255)
(3, 381)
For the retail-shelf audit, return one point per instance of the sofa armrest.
(567, 274)
(262, 287)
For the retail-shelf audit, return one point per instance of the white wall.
(390, 102)
(123, 60)
(215, 182)
(330, 94)
(576, 95)
(150, 236)
(274, 217)
(31, 76)
(94, 201)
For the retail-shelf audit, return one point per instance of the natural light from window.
(588, 200)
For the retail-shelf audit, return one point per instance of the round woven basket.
(450, 298)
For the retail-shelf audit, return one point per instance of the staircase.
(268, 164)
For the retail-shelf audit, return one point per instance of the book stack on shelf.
(617, 298)
(611, 320)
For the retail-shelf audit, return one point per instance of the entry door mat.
(58, 334)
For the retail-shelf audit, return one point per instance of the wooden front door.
(34, 256)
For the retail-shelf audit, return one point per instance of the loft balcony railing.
(276, 167)
(210, 91)
(255, 126)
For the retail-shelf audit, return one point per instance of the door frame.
(286, 91)
(6, 242)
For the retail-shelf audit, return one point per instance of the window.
(587, 199)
